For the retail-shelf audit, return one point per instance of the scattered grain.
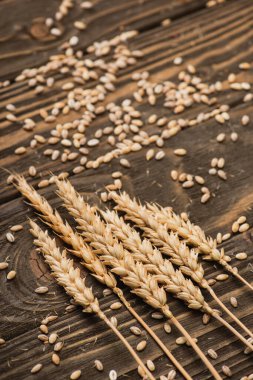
(244, 227)
(141, 345)
(76, 374)
(98, 365)
(36, 368)
(213, 354)
(241, 256)
(41, 290)
(11, 275)
(222, 277)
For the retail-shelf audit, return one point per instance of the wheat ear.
(195, 236)
(112, 253)
(74, 285)
(170, 245)
(174, 281)
(82, 250)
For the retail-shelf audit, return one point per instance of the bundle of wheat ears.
(109, 246)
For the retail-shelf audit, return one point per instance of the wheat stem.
(175, 281)
(195, 236)
(112, 253)
(169, 244)
(196, 348)
(90, 260)
(216, 298)
(70, 278)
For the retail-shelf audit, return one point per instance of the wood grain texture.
(216, 40)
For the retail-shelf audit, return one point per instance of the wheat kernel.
(200, 180)
(55, 359)
(235, 227)
(20, 150)
(245, 120)
(180, 152)
(150, 154)
(16, 228)
(181, 340)
(43, 337)
(135, 330)
(141, 345)
(171, 375)
(206, 318)
(113, 375)
(11, 275)
(44, 329)
(213, 354)
(2, 341)
(174, 174)
(234, 136)
(226, 236)
(41, 289)
(157, 315)
(76, 374)
(125, 163)
(36, 368)
(116, 306)
(167, 327)
(233, 301)
(150, 365)
(58, 346)
(160, 155)
(241, 256)
(98, 365)
(52, 338)
(226, 370)
(10, 237)
(241, 219)
(244, 227)
(3, 265)
(221, 137)
(222, 277)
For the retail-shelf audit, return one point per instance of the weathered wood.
(216, 40)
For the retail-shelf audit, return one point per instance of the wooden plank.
(215, 40)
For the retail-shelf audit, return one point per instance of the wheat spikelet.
(174, 280)
(194, 235)
(70, 278)
(112, 253)
(170, 245)
(82, 250)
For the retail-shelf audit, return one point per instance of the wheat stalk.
(170, 245)
(112, 253)
(82, 250)
(74, 285)
(194, 235)
(174, 280)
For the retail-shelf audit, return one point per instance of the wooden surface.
(216, 40)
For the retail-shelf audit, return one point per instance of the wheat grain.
(70, 278)
(11, 275)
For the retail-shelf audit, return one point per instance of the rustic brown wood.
(216, 40)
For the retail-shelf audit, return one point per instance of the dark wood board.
(216, 40)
